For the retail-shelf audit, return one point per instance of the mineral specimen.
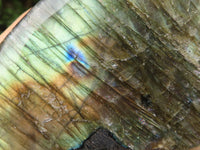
(130, 66)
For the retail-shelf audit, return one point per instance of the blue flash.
(74, 54)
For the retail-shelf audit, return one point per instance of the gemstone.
(130, 67)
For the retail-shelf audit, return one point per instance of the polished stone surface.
(129, 66)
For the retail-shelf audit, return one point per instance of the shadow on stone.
(102, 139)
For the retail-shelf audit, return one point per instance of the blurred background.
(11, 9)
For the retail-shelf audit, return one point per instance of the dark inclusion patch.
(102, 139)
(146, 101)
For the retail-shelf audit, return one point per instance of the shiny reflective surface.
(132, 67)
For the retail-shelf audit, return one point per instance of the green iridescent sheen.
(73, 66)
